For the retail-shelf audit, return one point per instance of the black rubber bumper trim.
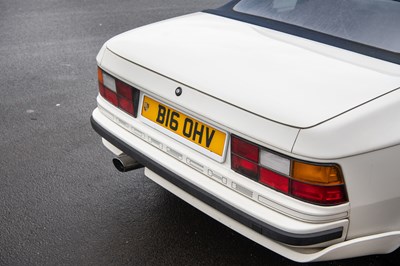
(241, 217)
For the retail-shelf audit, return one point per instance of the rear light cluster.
(118, 93)
(321, 184)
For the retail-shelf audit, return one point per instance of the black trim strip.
(241, 217)
(228, 12)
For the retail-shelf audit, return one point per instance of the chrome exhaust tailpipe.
(124, 163)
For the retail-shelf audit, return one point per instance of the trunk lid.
(283, 78)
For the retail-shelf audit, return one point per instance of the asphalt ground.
(61, 201)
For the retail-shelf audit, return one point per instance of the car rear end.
(252, 173)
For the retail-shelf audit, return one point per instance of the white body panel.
(378, 243)
(300, 98)
(369, 127)
(212, 110)
(260, 70)
(372, 244)
(148, 81)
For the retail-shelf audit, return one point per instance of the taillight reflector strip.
(316, 183)
(118, 93)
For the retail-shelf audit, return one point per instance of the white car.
(278, 118)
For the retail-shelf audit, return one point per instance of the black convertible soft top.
(369, 27)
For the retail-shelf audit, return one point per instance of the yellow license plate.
(185, 126)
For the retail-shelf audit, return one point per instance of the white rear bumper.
(336, 249)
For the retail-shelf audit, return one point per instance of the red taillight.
(102, 89)
(245, 167)
(111, 96)
(326, 195)
(311, 182)
(124, 90)
(274, 180)
(245, 149)
(125, 105)
(118, 93)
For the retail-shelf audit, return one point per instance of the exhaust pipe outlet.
(125, 163)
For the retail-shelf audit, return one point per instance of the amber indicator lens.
(317, 174)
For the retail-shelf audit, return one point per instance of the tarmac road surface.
(61, 201)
